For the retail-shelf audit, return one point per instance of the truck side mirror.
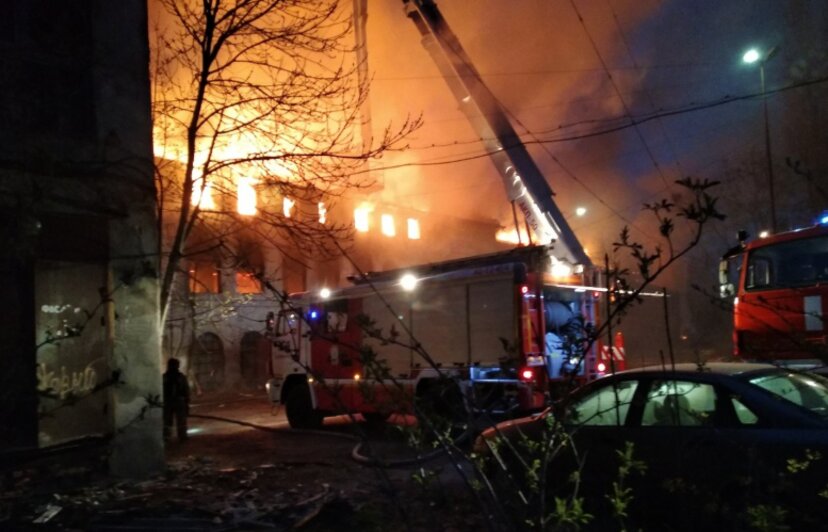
(270, 324)
(742, 235)
(726, 287)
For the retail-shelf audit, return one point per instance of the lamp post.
(752, 56)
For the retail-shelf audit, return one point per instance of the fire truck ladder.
(526, 187)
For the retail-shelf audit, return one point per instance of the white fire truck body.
(479, 322)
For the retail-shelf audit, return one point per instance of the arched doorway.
(208, 363)
(255, 354)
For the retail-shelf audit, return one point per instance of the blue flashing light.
(823, 220)
(313, 314)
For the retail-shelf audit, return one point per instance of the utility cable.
(614, 85)
(600, 132)
(575, 178)
(542, 72)
(644, 88)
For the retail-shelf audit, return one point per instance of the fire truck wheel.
(300, 411)
(440, 404)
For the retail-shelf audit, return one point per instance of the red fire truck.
(779, 286)
(499, 326)
(488, 324)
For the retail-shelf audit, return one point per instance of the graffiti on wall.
(62, 382)
(72, 351)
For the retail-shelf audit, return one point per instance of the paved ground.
(246, 430)
(243, 468)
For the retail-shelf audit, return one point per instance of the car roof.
(718, 368)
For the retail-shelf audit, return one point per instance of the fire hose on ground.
(357, 452)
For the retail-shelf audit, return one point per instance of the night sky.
(547, 68)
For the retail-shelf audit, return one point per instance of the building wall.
(76, 178)
(219, 333)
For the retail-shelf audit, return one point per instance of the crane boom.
(525, 185)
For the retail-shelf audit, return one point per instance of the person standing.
(176, 400)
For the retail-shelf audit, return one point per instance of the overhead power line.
(646, 92)
(632, 123)
(612, 129)
(547, 71)
(617, 90)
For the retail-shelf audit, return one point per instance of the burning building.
(271, 189)
(237, 265)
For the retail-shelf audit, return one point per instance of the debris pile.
(193, 494)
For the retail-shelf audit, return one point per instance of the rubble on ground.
(193, 492)
(199, 494)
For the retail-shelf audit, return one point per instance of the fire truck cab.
(779, 286)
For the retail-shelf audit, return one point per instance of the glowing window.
(287, 206)
(413, 229)
(250, 264)
(203, 195)
(361, 219)
(247, 283)
(323, 212)
(204, 278)
(246, 197)
(387, 225)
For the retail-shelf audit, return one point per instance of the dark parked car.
(715, 438)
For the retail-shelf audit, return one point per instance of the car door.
(684, 435)
(773, 435)
(598, 423)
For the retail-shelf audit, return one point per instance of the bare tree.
(257, 97)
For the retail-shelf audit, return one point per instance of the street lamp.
(753, 56)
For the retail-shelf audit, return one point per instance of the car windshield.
(807, 391)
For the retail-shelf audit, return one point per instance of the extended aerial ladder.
(494, 324)
(526, 187)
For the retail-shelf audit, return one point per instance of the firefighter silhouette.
(176, 400)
